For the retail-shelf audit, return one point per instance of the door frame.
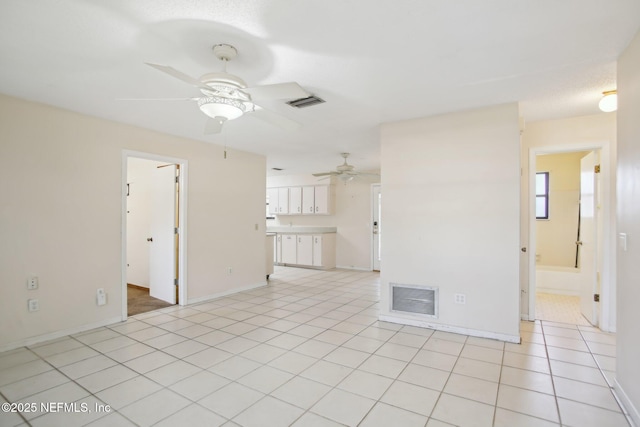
(182, 221)
(371, 216)
(607, 307)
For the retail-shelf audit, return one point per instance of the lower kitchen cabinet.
(307, 250)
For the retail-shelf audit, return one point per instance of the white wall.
(139, 176)
(352, 216)
(577, 134)
(451, 210)
(628, 338)
(61, 217)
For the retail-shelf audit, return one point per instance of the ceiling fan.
(344, 172)
(227, 97)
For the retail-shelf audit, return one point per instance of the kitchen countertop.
(285, 229)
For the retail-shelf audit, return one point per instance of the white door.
(375, 223)
(162, 264)
(587, 243)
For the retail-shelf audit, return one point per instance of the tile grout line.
(553, 383)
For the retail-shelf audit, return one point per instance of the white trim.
(448, 328)
(182, 236)
(351, 267)
(58, 334)
(608, 308)
(225, 293)
(630, 411)
(372, 205)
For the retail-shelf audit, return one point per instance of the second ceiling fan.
(344, 172)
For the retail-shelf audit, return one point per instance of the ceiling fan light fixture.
(609, 101)
(218, 106)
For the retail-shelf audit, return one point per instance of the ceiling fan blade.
(212, 126)
(325, 173)
(179, 75)
(276, 119)
(157, 99)
(291, 90)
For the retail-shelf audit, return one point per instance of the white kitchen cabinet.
(317, 200)
(283, 200)
(295, 200)
(308, 200)
(289, 249)
(324, 250)
(305, 249)
(321, 200)
(278, 200)
(278, 250)
(272, 194)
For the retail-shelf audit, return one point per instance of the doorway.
(153, 237)
(376, 225)
(588, 255)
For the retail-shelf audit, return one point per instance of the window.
(542, 195)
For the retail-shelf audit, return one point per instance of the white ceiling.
(373, 61)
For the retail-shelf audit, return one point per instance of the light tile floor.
(308, 351)
(559, 308)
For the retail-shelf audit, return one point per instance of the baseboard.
(351, 267)
(59, 334)
(630, 410)
(143, 288)
(454, 329)
(225, 293)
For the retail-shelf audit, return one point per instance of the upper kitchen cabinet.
(278, 200)
(307, 200)
(295, 200)
(317, 200)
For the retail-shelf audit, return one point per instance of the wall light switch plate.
(623, 241)
(101, 297)
(460, 298)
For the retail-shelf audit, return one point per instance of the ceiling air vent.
(306, 102)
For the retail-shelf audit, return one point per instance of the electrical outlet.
(32, 282)
(33, 305)
(460, 298)
(256, 227)
(230, 270)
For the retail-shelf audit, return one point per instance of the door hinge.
(596, 169)
(177, 180)
(175, 282)
(596, 297)
(176, 230)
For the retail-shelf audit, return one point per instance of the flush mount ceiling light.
(609, 101)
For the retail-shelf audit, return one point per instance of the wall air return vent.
(422, 300)
(306, 102)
